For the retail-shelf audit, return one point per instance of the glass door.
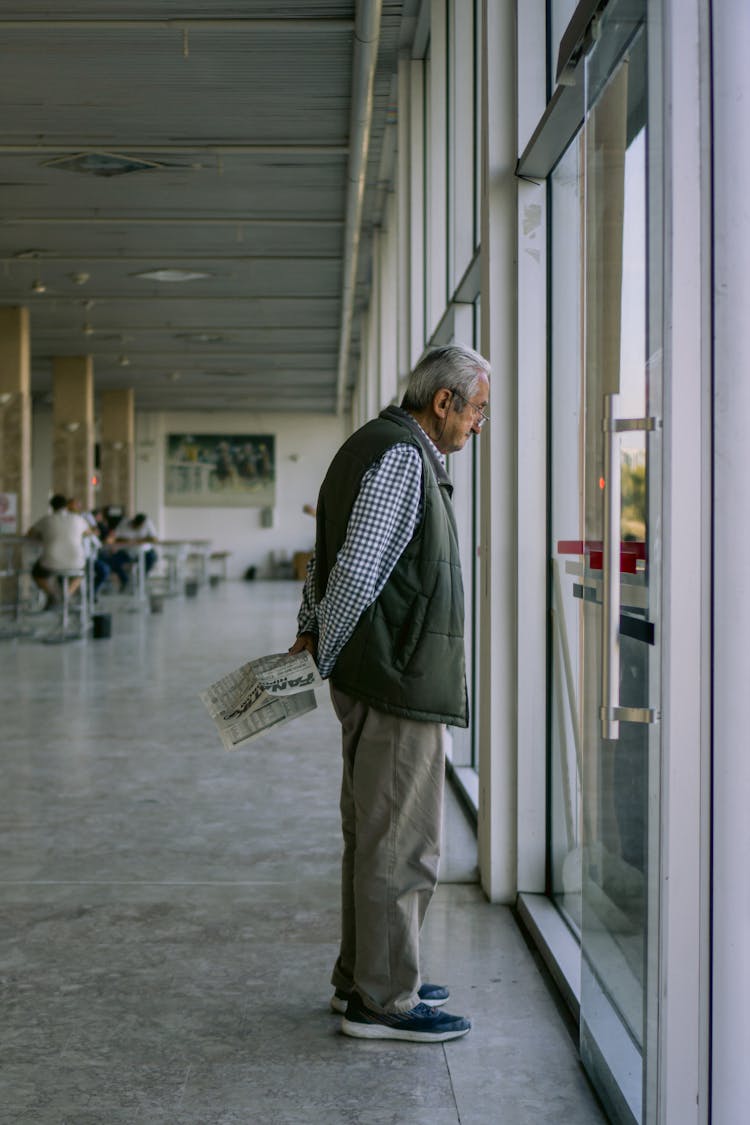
(604, 731)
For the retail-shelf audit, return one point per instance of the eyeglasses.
(480, 415)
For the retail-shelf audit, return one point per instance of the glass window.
(566, 483)
(559, 13)
(603, 778)
(477, 123)
(466, 481)
(461, 141)
(428, 190)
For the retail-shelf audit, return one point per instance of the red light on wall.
(602, 483)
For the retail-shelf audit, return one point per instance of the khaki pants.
(391, 815)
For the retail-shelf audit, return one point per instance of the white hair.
(455, 367)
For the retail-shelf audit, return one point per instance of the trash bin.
(214, 580)
(157, 603)
(102, 623)
(191, 588)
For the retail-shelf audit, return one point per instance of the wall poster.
(220, 470)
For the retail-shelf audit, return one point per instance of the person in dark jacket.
(382, 613)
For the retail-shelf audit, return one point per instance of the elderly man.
(382, 612)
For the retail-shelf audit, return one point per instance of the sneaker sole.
(382, 1031)
(339, 1006)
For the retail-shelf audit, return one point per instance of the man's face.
(460, 426)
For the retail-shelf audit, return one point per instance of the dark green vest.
(406, 655)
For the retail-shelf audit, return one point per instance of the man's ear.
(441, 401)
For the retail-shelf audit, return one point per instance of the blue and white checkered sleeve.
(306, 618)
(382, 522)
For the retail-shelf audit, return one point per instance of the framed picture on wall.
(220, 470)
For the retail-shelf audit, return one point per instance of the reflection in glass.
(615, 847)
(603, 791)
(615, 922)
(566, 484)
(560, 12)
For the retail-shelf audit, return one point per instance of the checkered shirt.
(382, 522)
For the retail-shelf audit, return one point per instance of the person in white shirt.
(128, 534)
(92, 545)
(61, 534)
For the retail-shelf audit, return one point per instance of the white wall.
(304, 447)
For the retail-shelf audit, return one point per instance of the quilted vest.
(406, 654)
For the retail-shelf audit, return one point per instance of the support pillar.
(15, 416)
(73, 412)
(117, 444)
(15, 430)
(498, 769)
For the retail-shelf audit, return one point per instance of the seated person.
(128, 534)
(93, 545)
(61, 534)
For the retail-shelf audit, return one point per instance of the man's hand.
(306, 642)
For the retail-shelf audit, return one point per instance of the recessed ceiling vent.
(102, 164)
(200, 337)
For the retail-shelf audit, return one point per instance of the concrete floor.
(169, 911)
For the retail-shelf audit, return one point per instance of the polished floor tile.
(169, 911)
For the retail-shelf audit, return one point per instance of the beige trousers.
(391, 816)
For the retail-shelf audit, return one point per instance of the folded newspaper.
(260, 695)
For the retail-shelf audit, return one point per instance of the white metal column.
(497, 750)
(531, 420)
(731, 724)
(678, 1014)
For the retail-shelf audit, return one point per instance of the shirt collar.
(434, 456)
(440, 456)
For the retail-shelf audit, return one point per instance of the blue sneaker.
(433, 995)
(420, 1025)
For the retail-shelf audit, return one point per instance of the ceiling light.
(123, 361)
(88, 329)
(172, 275)
(38, 286)
(200, 337)
(23, 254)
(79, 278)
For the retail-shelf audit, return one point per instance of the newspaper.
(260, 695)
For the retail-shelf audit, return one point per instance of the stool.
(63, 633)
(197, 561)
(219, 558)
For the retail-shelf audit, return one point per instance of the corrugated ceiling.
(244, 128)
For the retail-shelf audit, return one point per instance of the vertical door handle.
(610, 662)
(610, 712)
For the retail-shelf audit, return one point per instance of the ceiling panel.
(161, 136)
(177, 10)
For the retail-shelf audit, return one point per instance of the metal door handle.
(610, 575)
(611, 714)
